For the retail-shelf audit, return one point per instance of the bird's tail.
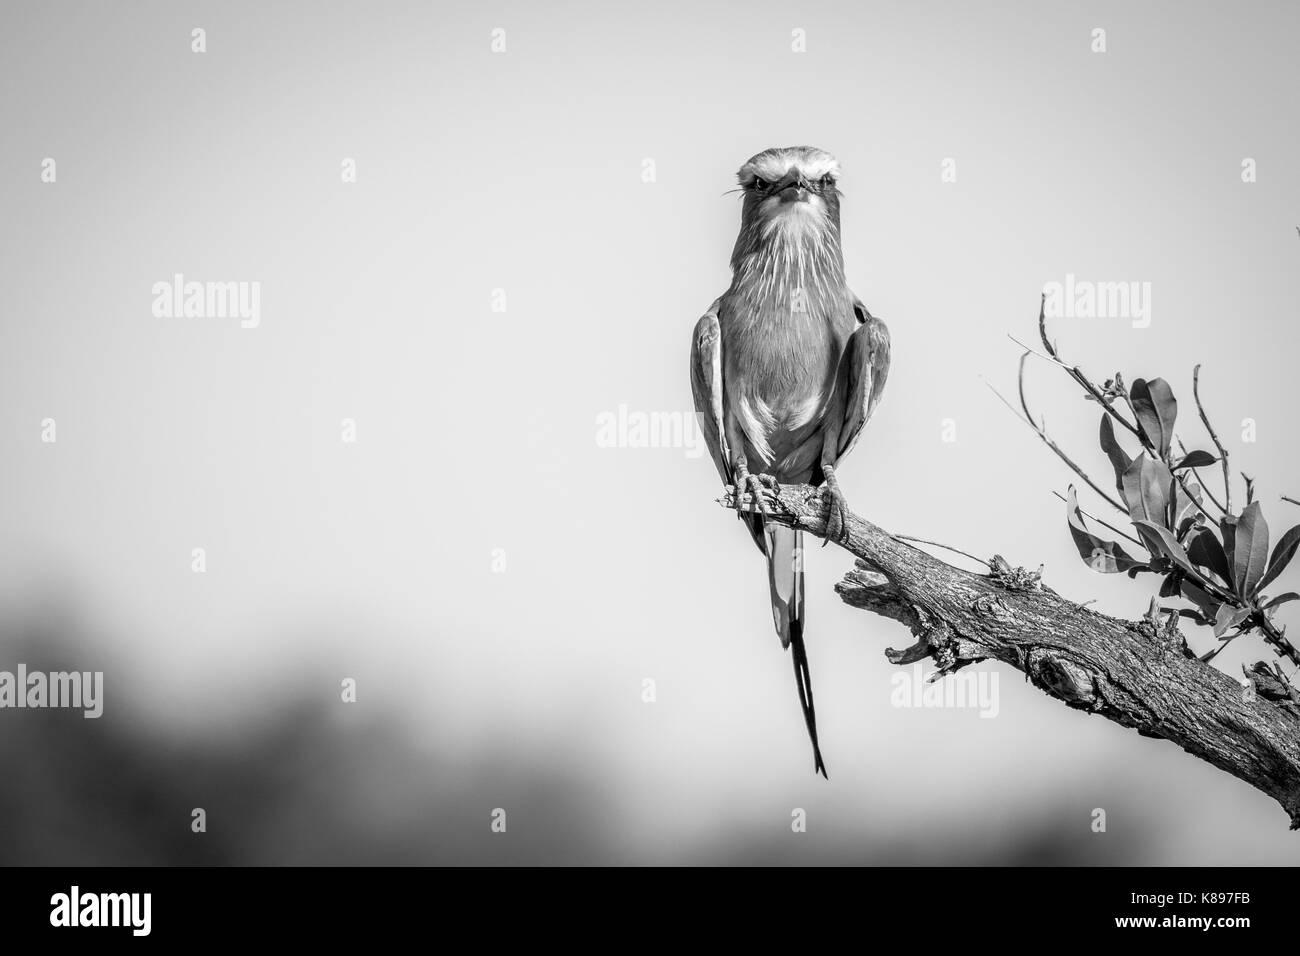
(785, 577)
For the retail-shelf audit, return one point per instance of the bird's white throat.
(796, 266)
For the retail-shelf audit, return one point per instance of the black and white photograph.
(445, 436)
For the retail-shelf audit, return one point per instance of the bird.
(787, 366)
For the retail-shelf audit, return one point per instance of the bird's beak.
(794, 189)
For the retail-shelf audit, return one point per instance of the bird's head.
(791, 191)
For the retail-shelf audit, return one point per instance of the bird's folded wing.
(864, 366)
(706, 386)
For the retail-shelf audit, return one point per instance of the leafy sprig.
(1220, 564)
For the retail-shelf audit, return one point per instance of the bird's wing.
(706, 386)
(864, 366)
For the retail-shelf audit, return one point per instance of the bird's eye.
(827, 182)
(760, 184)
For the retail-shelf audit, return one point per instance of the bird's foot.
(755, 485)
(837, 517)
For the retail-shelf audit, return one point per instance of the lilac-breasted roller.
(787, 366)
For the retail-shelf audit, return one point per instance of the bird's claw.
(837, 516)
(755, 485)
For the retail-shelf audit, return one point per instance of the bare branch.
(1033, 351)
(1111, 527)
(1214, 437)
(1133, 673)
(1275, 637)
(1182, 483)
(1077, 374)
(936, 544)
(1028, 419)
(1204, 487)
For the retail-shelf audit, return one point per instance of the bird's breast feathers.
(780, 360)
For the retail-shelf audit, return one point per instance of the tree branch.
(1134, 673)
(1214, 437)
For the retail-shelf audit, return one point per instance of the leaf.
(1171, 504)
(1195, 459)
(1146, 489)
(1184, 507)
(1282, 599)
(1205, 551)
(1228, 528)
(1181, 503)
(1106, 557)
(1250, 549)
(1208, 606)
(1282, 555)
(1119, 459)
(1161, 541)
(1229, 617)
(1156, 409)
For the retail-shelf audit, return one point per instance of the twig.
(1214, 437)
(1204, 487)
(1028, 419)
(1033, 351)
(1182, 483)
(1111, 527)
(1276, 638)
(1211, 655)
(936, 544)
(1077, 374)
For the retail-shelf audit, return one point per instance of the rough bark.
(1134, 673)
